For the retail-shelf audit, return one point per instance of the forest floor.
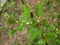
(4, 27)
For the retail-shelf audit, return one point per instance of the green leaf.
(41, 42)
(58, 23)
(11, 32)
(9, 4)
(11, 20)
(7, 15)
(21, 27)
(39, 9)
(51, 27)
(0, 7)
(34, 33)
(25, 17)
(44, 22)
(56, 14)
(58, 1)
(58, 41)
(49, 36)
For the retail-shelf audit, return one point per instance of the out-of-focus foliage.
(25, 17)
(39, 9)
